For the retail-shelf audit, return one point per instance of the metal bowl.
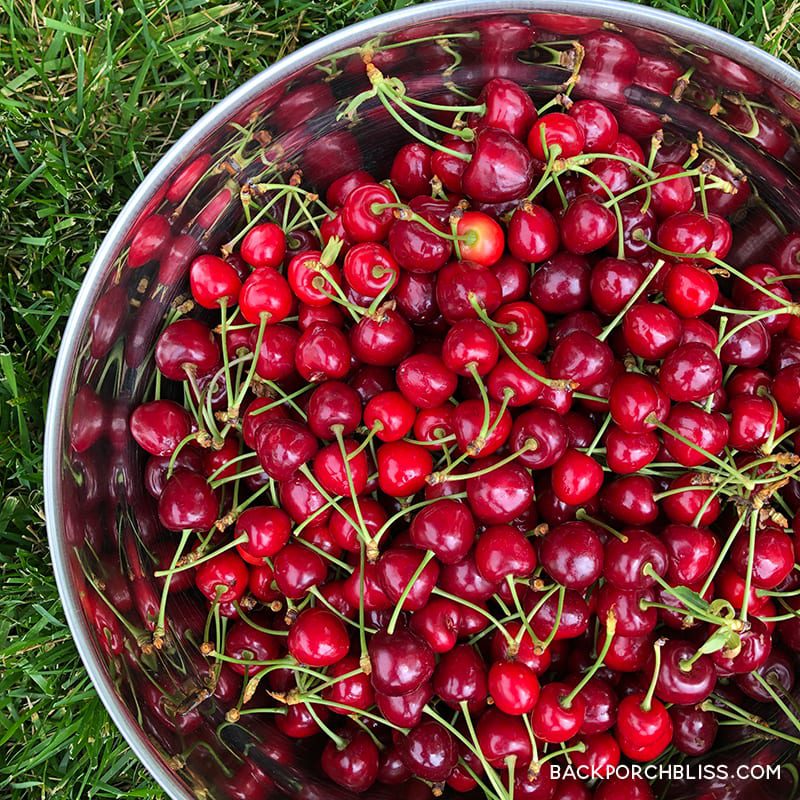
(99, 518)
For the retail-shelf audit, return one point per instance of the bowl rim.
(617, 11)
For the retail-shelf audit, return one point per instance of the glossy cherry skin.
(248, 644)
(334, 403)
(513, 686)
(753, 420)
(689, 290)
(222, 578)
(690, 372)
(266, 295)
(187, 502)
(707, 431)
(461, 676)
(403, 468)
(572, 554)
(507, 107)
(264, 245)
(613, 282)
(361, 221)
(756, 644)
(297, 569)
(685, 233)
(406, 709)
(397, 566)
(573, 620)
(502, 494)
(553, 721)
(468, 420)
(186, 345)
(587, 225)
(676, 683)
(501, 168)
(267, 529)
(500, 736)
(323, 353)
(561, 284)
(691, 551)
(623, 788)
(576, 478)
(582, 358)
(401, 662)
(630, 500)
(329, 468)
(636, 402)
(411, 170)
(437, 623)
(684, 506)
(318, 638)
(651, 330)
(533, 234)
(283, 446)
(773, 557)
(693, 730)
(598, 123)
(642, 733)
(777, 669)
(159, 426)
(425, 381)
(356, 766)
(625, 560)
(556, 129)
(547, 430)
(627, 453)
(525, 328)
(503, 551)
(382, 342)
(429, 750)
(447, 528)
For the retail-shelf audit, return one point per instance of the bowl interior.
(291, 121)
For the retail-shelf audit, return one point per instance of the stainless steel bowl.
(97, 514)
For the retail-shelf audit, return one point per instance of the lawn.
(91, 95)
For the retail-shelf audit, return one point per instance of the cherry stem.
(751, 318)
(159, 632)
(362, 527)
(193, 562)
(751, 552)
(475, 747)
(611, 629)
(770, 689)
(559, 611)
(526, 625)
(599, 435)
(582, 515)
(529, 446)
(603, 335)
(647, 702)
(407, 510)
(723, 552)
(262, 326)
(407, 590)
(742, 717)
(477, 609)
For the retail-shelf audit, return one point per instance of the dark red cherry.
(297, 569)
(690, 290)
(283, 446)
(401, 662)
(708, 432)
(532, 233)
(693, 730)
(411, 170)
(318, 638)
(356, 766)
(186, 345)
(772, 557)
(446, 527)
(598, 123)
(429, 750)
(572, 554)
(460, 677)
(502, 494)
(267, 530)
(223, 578)
(627, 453)
(500, 169)
(553, 720)
(458, 282)
(651, 330)
(502, 552)
(556, 130)
(362, 215)
(406, 709)
(682, 680)
(334, 404)
(625, 561)
(587, 225)
(470, 342)
(187, 502)
(403, 468)
(501, 736)
(546, 429)
(690, 372)
(397, 566)
(322, 353)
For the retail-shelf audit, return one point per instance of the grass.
(92, 94)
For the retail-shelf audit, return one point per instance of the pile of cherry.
(490, 466)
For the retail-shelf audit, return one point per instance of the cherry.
(651, 330)
(437, 623)
(689, 290)
(546, 429)
(513, 686)
(446, 527)
(342, 473)
(601, 706)
(187, 503)
(706, 430)
(463, 579)
(248, 644)
(283, 446)
(411, 170)
(429, 750)
(482, 238)
(556, 130)
(587, 225)
(627, 453)
(297, 569)
(693, 729)
(776, 669)
(567, 622)
(448, 168)
(355, 767)
(469, 420)
(214, 281)
(500, 169)
(340, 189)
(532, 234)
(501, 494)
(343, 532)
(756, 643)
(318, 638)
(684, 678)
(502, 552)
(754, 420)
(354, 588)
(685, 233)
(690, 372)
(600, 756)
(525, 328)
(362, 217)
(500, 736)
(508, 376)
(554, 719)
(598, 124)
(785, 385)
(223, 578)
(613, 283)
(275, 360)
(384, 341)
(266, 295)
(160, 426)
(582, 358)
(644, 727)
(460, 677)
(267, 529)
(772, 557)
(508, 107)
(634, 401)
(307, 281)
(397, 566)
(297, 722)
(392, 770)
(687, 504)
(638, 227)
(671, 196)
(186, 346)
(561, 284)
(626, 560)
(322, 353)
(691, 551)
(405, 709)
(459, 282)
(401, 662)
(370, 268)
(403, 468)
(572, 554)
(576, 478)
(624, 788)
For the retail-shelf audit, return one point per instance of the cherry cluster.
(489, 465)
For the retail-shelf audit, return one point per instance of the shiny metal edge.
(612, 10)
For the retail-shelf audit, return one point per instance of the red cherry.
(500, 169)
(556, 130)
(446, 527)
(160, 426)
(553, 720)
(513, 687)
(186, 345)
(318, 638)
(587, 225)
(370, 269)
(322, 353)
(187, 502)
(403, 468)
(264, 245)
(576, 478)
(401, 662)
(356, 766)
(265, 295)
(363, 220)
(411, 170)
(482, 239)
(213, 281)
(267, 529)
(297, 569)
(690, 290)
(223, 578)
(502, 552)
(532, 234)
